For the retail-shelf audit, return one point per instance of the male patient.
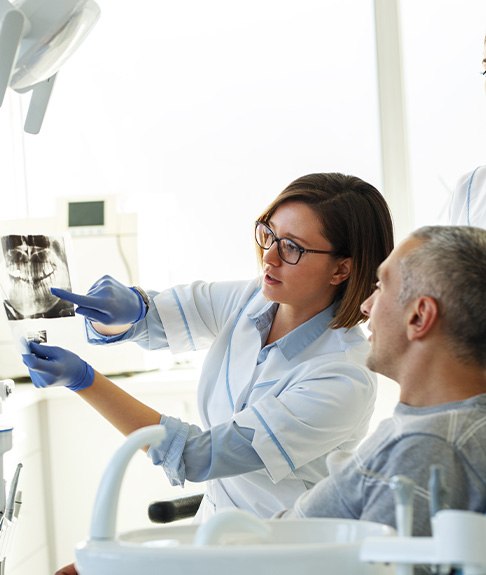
(428, 332)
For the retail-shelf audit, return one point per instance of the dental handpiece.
(437, 490)
(403, 492)
(10, 505)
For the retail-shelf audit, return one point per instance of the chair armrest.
(172, 510)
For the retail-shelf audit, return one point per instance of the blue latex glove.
(54, 366)
(108, 302)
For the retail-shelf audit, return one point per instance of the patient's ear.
(342, 271)
(423, 315)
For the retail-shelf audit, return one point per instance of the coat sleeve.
(311, 416)
(193, 315)
(183, 318)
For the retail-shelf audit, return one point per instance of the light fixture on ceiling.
(36, 38)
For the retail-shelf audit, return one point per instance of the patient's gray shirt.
(452, 435)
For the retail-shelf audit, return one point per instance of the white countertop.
(174, 380)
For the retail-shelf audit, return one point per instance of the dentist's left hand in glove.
(55, 366)
(51, 366)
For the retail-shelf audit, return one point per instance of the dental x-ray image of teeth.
(37, 336)
(32, 265)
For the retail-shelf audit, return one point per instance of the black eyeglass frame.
(278, 240)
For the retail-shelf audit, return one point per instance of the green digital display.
(86, 214)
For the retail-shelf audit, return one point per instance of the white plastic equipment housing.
(103, 522)
(36, 38)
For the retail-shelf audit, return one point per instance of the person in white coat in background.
(284, 382)
(468, 203)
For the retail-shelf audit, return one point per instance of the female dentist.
(284, 381)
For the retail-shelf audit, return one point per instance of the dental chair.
(236, 539)
(231, 538)
(173, 510)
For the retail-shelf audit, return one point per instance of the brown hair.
(356, 220)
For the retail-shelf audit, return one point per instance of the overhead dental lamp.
(36, 38)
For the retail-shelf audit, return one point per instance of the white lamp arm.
(41, 94)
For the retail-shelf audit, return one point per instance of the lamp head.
(36, 38)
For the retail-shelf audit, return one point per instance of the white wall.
(191, 110)
(201, 112)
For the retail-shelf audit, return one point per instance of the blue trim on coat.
(274, 439)
(228, 355)
(265, 383)
(184, 319)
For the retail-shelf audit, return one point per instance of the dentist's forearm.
(103, 329)
(122, 410)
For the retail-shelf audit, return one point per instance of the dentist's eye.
(290, 247)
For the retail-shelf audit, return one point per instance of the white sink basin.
(321, 546)
(232, 542)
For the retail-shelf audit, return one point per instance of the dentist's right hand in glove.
(107, 302)
(55, 366)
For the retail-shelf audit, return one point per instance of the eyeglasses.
(288, 250)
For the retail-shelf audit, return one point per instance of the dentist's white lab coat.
(302, 397)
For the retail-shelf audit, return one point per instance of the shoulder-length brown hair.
(356, 220)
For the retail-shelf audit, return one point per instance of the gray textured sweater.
(452, 435)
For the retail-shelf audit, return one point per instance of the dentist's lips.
(269, 280)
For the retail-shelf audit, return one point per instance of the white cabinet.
(29, 552)
(80, 444)
(64, 447)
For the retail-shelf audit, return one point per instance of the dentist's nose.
(271, 256)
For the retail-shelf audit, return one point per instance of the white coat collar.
(298, 339)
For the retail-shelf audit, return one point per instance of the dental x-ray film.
(31, 265)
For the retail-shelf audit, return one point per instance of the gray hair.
(450, 266)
